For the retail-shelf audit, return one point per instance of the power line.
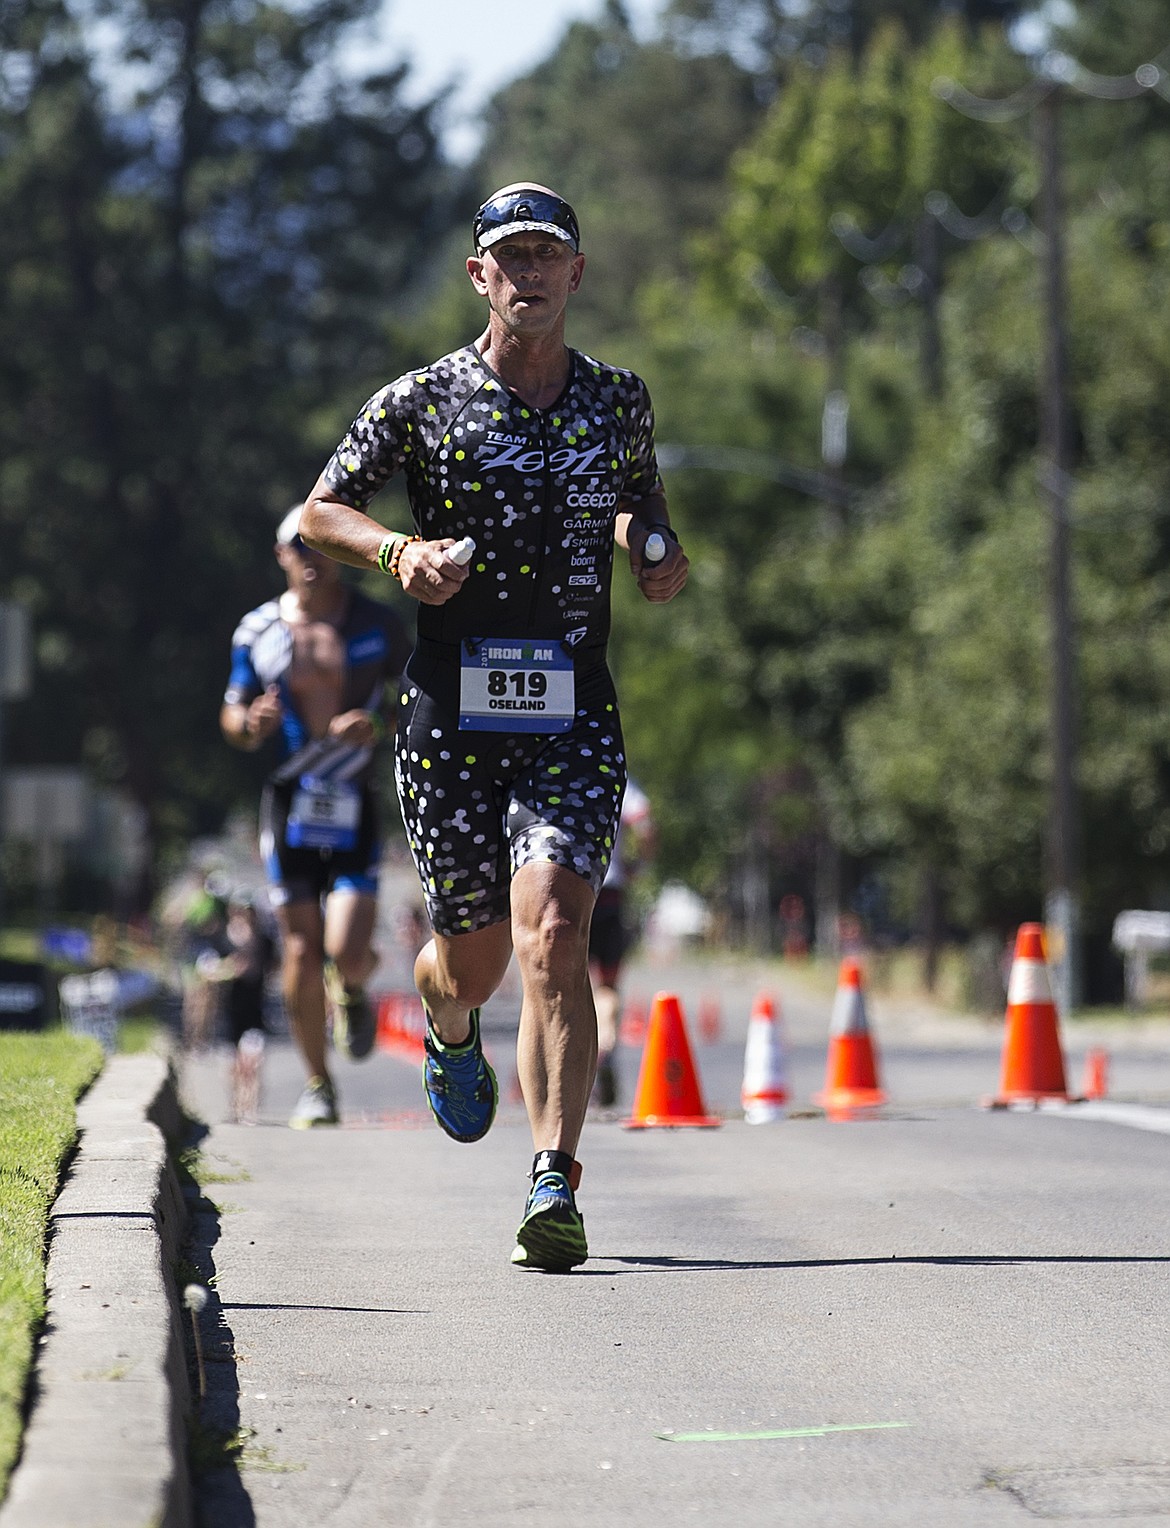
(759, 464)
(1056, 71)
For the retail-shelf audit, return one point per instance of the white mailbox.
(1137, 935)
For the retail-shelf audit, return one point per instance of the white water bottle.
(462, 552)
(655, 548)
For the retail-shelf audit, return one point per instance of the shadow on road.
(216, 1439)
(356, 1310)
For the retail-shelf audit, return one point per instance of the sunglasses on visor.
(521, 211)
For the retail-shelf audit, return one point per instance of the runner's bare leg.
(349, 930)
(608, 1005)
(456, 973)
(301, 972)
(556, 1053)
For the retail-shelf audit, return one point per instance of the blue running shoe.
(461, 1087)
(552, 1234)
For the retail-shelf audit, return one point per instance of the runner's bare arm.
(346, 534)
(349, 535)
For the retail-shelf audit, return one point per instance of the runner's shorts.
(307, 875)
(478, 805)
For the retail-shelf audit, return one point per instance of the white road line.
(1136, 1116)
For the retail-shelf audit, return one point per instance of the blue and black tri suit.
(538, 490)
(319, 827)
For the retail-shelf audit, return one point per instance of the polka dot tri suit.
(509, 746)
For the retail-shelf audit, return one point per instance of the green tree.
(229, 250)
(774, 31)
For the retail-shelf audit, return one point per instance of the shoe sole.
(552, 1242)
(310, 1124)
(466, 1140)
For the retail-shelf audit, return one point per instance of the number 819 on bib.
(520, 686)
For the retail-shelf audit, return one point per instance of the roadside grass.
(900, 973)
(20, 944)
(138, 1032)
(41, 1077)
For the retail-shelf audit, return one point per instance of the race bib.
(324, 815)
(515, 686)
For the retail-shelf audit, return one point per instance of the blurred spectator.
(251, 955)
(610, 935)
(202, 944)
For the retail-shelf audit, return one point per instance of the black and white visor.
(525, 211)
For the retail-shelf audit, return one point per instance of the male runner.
(312, 666)
(509, 755)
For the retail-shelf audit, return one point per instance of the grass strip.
(41, 1076)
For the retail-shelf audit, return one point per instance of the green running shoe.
(552, 1234)
(317, 1105)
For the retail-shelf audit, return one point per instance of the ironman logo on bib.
(515, 686)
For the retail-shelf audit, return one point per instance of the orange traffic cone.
(400, 1026)
(1096, 1082)
(765, 1075)
(387, 1025)
(851, 1076)
(1033, 1062)
(668, 1086)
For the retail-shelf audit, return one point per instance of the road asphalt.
(941, 1315)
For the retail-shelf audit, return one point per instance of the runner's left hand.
(353, 727)
(658, 581)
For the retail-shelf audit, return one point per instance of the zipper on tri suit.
(542, 538)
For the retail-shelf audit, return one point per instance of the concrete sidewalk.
(106, 1443)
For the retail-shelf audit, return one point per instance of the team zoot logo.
(518, 453)
(507, 451)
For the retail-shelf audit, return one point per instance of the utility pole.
(834, 450)
(1057, 74)
(15, 678)
(1062, 904)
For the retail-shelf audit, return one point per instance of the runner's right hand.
(427, 575)
(265, 713)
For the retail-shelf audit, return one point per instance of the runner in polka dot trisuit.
(509, 759)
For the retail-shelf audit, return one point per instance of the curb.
(106, 1443)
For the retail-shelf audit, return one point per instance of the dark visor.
(522, 212)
